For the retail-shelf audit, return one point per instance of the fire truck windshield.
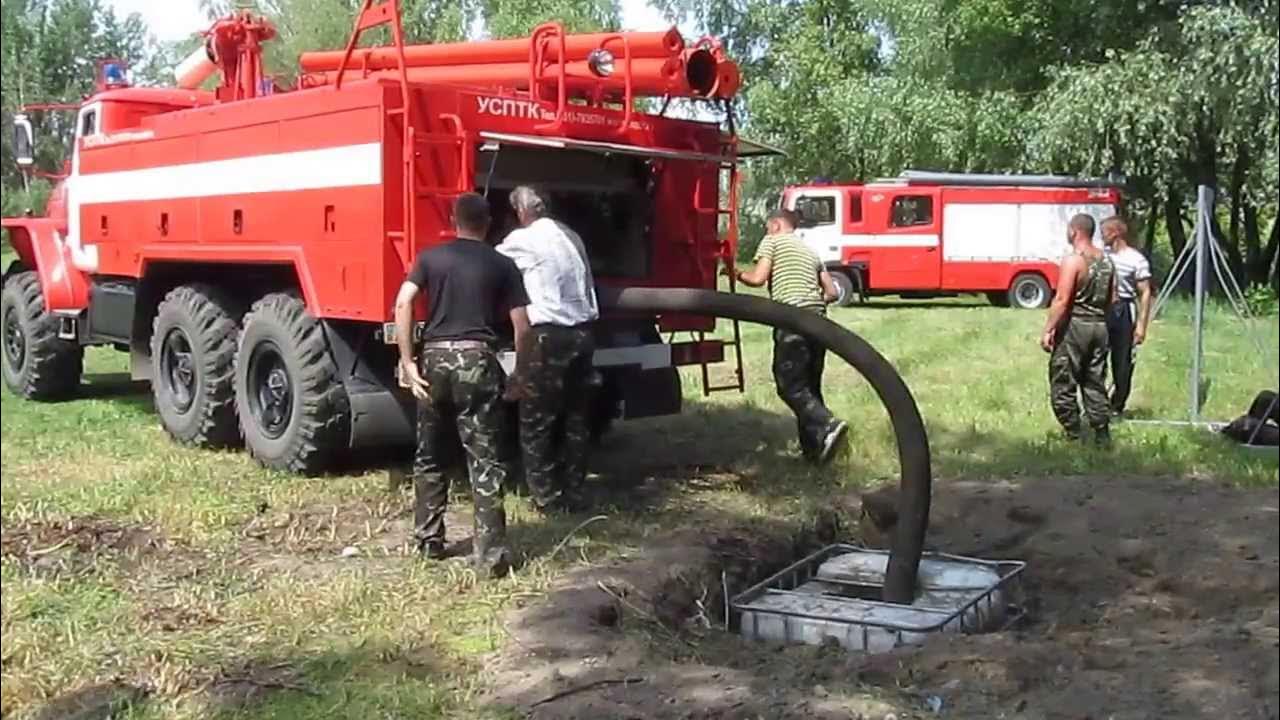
(605, 199)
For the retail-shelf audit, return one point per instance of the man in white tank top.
(1127, 322)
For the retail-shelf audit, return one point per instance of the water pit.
(834, 594)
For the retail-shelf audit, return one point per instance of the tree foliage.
(1175, 93)
(1190, 105)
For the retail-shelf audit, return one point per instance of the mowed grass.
(215, 623)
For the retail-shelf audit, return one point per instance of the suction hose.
(916, 482)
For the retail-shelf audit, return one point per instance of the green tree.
(1191, 105)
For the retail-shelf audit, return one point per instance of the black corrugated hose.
(915, 484)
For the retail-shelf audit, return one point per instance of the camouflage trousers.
(1079, 364)
(798, 363)
(466, 399)
(560, 382)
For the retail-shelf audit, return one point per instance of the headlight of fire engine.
(601, 62)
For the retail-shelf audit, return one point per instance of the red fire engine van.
(936, 234)
(245, 245)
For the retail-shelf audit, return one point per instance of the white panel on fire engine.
(1044, 228)
(821, 222)
(980, 233)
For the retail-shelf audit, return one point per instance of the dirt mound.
(1146, 598)
(77, 542)
(1149, 598)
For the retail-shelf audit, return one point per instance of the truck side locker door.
(821, 222)
(909, 253)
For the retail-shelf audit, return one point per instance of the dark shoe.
(1102, 438)
(1073, 434)
(832, 439)
(494, 564)
(563, 505)
(433, 550)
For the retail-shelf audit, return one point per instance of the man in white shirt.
(556, 378)
(1129, 317)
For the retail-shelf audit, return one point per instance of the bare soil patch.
(376, 524)
(75, 543)
(1148, 598)
(317, 540)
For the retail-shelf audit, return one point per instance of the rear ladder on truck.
(727, 173)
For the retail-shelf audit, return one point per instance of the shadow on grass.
(115, 386)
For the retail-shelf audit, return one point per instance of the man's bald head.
(1081, 228)
(1083, 224)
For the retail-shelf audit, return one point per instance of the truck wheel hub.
(271, 399)
(177, 370)
(15, 342)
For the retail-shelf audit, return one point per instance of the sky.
(176, 19)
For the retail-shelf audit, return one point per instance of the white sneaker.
(833, 438)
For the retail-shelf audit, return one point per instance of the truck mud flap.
(915, 483)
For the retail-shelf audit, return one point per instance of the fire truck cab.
(938, 234)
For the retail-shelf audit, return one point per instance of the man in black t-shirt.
(471, 290)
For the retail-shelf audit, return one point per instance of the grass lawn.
(222, 590)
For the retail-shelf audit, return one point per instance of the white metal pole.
(1205, 206)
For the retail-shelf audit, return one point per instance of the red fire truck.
(930, 234)
(244, 245)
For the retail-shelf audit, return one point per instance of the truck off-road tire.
(848, 287)
(1029, 291)
(193, 351)
(37, 364)
(293, 408)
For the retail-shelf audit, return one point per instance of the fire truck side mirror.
(24, 142)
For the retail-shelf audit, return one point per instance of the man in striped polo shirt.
(1128, 318)
(796, 277)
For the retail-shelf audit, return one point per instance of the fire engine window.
(89, 124)
(855, 207)
(912, 210)
(815, 211)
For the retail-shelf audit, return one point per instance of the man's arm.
(512, 248)
(830, 293)
(1144, 312)
(758, 275)
(410, 377)
(1067, 274)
